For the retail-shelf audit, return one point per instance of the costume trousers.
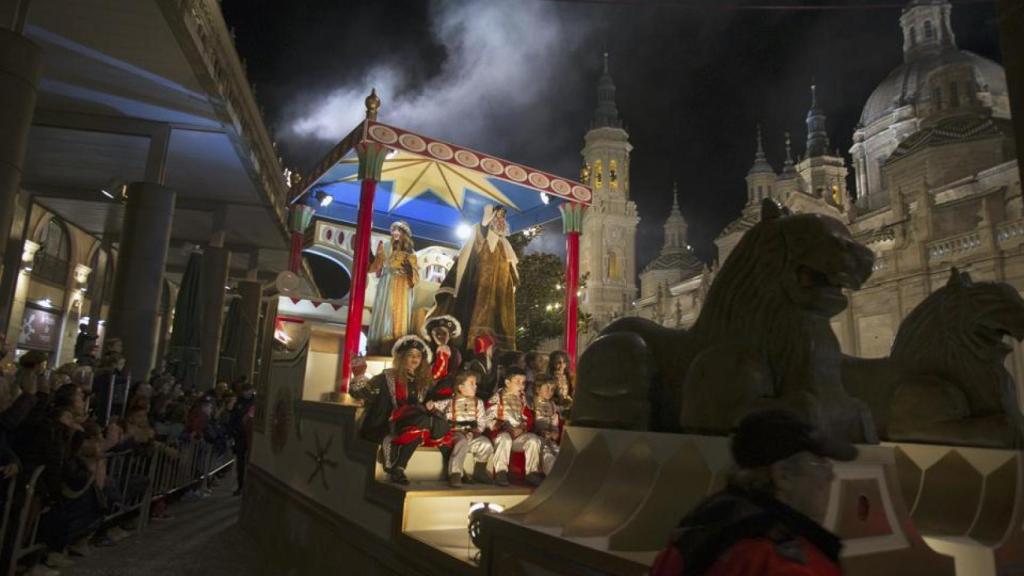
(548, 455)
(480, 447)
(527, 443)
(396, 456)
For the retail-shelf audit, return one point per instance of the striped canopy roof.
(434, 186)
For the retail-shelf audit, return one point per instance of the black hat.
(449, 322)
(412, 341)
(768, 436)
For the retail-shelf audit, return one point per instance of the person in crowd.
(84, 341)
(547, 423)
(240, 429)
(768, 518)
(170, 426)
(467, 417)
(64, 486)
(440, 331)
(510, 419)
(484, 365)
(558, 367)
(536, 365)
(398, 417)
(359, 385)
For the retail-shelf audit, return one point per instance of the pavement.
(201, 539)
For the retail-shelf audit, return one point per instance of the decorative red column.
(298, 220)
(371, 161)
(572, 225)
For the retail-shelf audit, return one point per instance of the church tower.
(822, 172)
(608, 242)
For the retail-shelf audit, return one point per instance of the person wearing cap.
(397, 271)
(440, 331)
(768, 519)
(399, 417)
(484, 365)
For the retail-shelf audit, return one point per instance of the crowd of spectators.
(57, 419)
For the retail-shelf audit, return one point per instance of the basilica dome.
(907, 83)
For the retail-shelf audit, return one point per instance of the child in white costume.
(510, 424)
(547, 423)
(468, 419)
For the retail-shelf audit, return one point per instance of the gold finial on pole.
(372, 105)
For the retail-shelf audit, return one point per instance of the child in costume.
(510, 418)
(547, 423)
(440, 331)
(467, 417)
(398, 417)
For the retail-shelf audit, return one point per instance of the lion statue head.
(784, 264)
(958, 334)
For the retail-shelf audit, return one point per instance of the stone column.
(73, 300)
(99, 280)
(13, 260)
(20, 295)
(141, 258)
(216, 261)
(251, 291)
(20, 63)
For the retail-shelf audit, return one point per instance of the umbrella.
(183, 357)
(230, 342)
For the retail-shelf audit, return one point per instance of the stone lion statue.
(763, 338)
(945, 380)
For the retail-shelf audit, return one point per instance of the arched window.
(929, 33)
(760, 192)
(937, 98)
(954, 95)
(913, 36)
(51, 262)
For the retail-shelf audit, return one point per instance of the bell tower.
(608, 242)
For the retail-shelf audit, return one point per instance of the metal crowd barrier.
(135, 478)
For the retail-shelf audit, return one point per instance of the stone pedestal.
(214, 277)
(141, 259)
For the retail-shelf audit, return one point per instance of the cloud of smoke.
(507, 67)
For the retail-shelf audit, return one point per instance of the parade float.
(937, 487)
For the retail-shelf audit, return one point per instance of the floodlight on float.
(323, 198)
(463, 231)
(476, 511)
(545, 198)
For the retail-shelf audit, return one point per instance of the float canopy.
(435, 186)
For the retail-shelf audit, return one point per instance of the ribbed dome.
(906, 83)
(683, 260)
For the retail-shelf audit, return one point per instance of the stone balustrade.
(954, 247)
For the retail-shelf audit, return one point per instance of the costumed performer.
(467, 416)
(440, 331)
(479, 289)
(484, 365)
(397, 271)
(398, 416)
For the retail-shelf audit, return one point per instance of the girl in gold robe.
(397, 272)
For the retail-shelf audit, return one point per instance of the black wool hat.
(768, 436)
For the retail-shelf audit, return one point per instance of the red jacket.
(738, 533)
(753, 557)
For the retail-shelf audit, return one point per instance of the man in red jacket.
(768, 520)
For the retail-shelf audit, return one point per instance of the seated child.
(468, 419)
(547, 424)
(510, 417)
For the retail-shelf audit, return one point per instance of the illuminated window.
(598, 174)
(613, 174)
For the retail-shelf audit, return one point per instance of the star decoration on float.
(412, 176)
(320, 460)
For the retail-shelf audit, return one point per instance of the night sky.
(518, 78)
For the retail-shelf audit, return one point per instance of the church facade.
(937, 185)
